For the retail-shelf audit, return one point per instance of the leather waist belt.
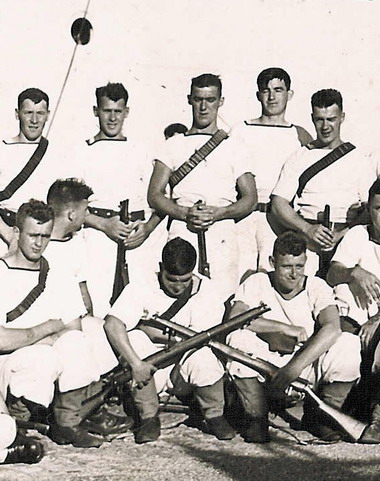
(8, 216)
(338, 226)
(108, 213)
(262, 207)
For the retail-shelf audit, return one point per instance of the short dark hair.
(326, 98)
(271, 73)
(179, 257)
(374, 190)
(207, 80)
(36, 209)
(113, 91)
(172, 129)
(66, 191)
(33, 94)
(289, 242)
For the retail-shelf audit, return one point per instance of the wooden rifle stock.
(351, 426)
(121, 278)
(165, 357)
(203, 265)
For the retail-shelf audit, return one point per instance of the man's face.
(274, 98)
(33, 238)
(175, 285)
(288, 272)
(32, 118)
(111, 116)
(205, 103)
(327, 122)
(374, 210)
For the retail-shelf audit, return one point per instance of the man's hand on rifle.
(322, 236)
(286, 375)
(142, 373)
(139, 232)
(201, 217)
(115, 229)
(364, 286)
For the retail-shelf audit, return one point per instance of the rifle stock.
(166, 357)
(351, 426)
(121, 278)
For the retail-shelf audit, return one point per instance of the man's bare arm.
(317, 344)
(12, 339)
(112, 227)
(317, 233)
(119, 340)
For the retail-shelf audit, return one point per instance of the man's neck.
(288, 295)
(210, 129)
(21, 139)
(18, 260)
(271, 120)
(61, 230)
(102, 136)
(332, 145)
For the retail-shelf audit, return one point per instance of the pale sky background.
(155, 46)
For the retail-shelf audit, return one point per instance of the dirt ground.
(184, 453)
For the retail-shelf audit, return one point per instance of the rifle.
(121, 278)
(203, 265)
(161, 359)
(325, 255)
(351, 426)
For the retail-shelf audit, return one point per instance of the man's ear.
(126, 112)
(16, 232)
(71, 214)
(343, 117)
(221, 101)
(17, 114)
(95, 110)
(189, 99)
(290, 94)
(272, 262)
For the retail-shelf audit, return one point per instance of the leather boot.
(24, 450)
(67, 413)
(147, 404)
(371, 434)
(252, 395)
(211, 402)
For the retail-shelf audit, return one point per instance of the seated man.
(34, 354)
(355, 273)
(302, 308)
(178, 294)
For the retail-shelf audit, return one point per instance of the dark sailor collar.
(92, 141)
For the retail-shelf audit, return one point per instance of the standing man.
(203, 201)
(329, 172)
(303, 310)
(24, 172)
(173, 293)
(117, 169)
(271, 140)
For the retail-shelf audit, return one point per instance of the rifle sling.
(26, 171)
(33, 294)
(183, 170)
(322, 164)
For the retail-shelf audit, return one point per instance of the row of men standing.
(213, 197)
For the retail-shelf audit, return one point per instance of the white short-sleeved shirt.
(341, 184)
(270, 147)
(57, 301)
(214, 179)
(302, 310)
(115, 170)
(13, 157)
(143, 300)
(356, 248)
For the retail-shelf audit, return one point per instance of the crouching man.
(41, 340)
(303, 311)
(178, 294)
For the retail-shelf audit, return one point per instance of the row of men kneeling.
(55, 355)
